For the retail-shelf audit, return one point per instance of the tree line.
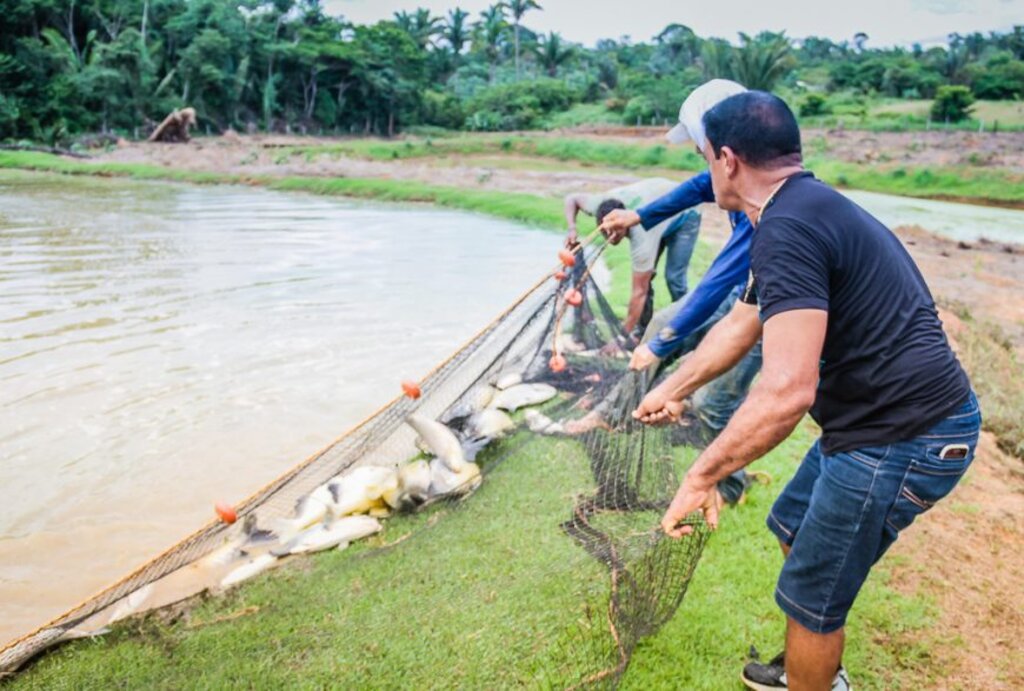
(74, 66)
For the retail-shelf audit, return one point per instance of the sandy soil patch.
(966, 554)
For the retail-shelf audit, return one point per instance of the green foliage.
(762, 61)
(442, 110)
(519, 105)
(1001, 77)
(814, 104)
(952, 103)
(284, 65)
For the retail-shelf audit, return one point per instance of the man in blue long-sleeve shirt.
(678, 329)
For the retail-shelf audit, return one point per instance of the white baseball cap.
(691, 113)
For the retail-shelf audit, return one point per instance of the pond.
(164, 347)
(967, 222)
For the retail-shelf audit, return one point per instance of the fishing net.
(589, 520)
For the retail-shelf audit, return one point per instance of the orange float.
(560, 275)
(226, 512)
(411, 389)
(574, 297)
(557, 362)
(567, 258)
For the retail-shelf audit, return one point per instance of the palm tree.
(420, 25)
(551, 53)
(518, 8)
(761, 61)
(716, 58)
(490, 29)
(680, 42)
(455, 30)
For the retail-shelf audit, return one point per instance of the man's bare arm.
(572, 205)
(725, 345)
(637, 298)
(777, 402)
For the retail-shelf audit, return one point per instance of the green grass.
(479, 596)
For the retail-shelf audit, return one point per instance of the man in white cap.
(678, 329)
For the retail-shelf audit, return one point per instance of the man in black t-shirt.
(851, 335)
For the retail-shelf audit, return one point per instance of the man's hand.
(617, 222)
(643, 357)
(695, 493)
(572, 239)
(658, 408)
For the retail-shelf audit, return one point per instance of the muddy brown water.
(164, 347)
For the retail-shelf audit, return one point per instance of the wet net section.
(621, 578)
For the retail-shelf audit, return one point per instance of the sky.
(887, 22)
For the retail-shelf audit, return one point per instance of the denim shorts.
(841, 512)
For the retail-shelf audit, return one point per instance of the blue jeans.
(715, 402)
(841, 512)
(677, 245)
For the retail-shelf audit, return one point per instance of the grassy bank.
(459, 604)
(975, 184)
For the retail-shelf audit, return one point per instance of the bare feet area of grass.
(966, 553)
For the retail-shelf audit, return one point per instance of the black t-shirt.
(887, 370)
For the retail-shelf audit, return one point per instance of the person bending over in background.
(675, 235)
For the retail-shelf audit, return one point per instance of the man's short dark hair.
(605, 207)
(759, 127)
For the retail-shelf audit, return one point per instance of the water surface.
(968, 222)
(163, 347)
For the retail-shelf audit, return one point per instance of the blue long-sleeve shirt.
(729, 268)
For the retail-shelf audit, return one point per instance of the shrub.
(638, 108)
(952, 103)
(442, 110)
(519, 105)
(814, 104)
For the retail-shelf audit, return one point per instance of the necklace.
(775, 190)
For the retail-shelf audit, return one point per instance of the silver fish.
(490, 423)
(441, 440)
(508, 379)
(540, 423)
(444, 482)
(522, 395)
(324, 536)
(361, 489)
(413, 484)
(253, 567)
(475, 400)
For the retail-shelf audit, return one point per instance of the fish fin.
(335, 489)
(249, 524)
(471, 447)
